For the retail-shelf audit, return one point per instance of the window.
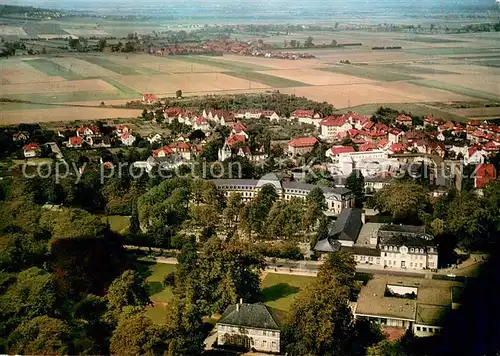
(273, 345)
(420, 264)
(421, 250)
(431, 264)
(370, 259)
(411, 249)
(431, 250)
(390, 248)
(418, 328)
(424, 329)
(362, 258)
(411, 264)
(385, 254)
(264, 333)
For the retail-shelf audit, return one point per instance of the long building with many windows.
(337, 199)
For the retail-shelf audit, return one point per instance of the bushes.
(286, 250)
(169, 280)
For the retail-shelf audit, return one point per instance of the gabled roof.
(485, 174)
(341, 149)
(303, 113)
(31, 147)
(166, 150)
(200, 120)
(255, 315)
(346, 228)
(404, 118)
(397, 147)
(239, 126)
(367, 147)
(180, 145)
(75, 141)
(303, 142)
(333, 121)
(235, 140)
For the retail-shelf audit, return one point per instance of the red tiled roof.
(355, 117)
(397, 147)
(485, 174)
(490, 146)
(472, 150)
(352, 132)
(433, 120)
(382, 143)
(404, 118)
(93, 128)
(333, 121)
(267, 113)
(367, 147)
(342, 135)
(179, 145)
(200, 120)
(448, 125)
(121, 127)
(368, 125)
(381, 127)
(303, 142)
(395, 131)
(148, 97)
(303, 113)
(166, 150)
(125, 135)
(75, 141)
(479, 133)
(235, 139)
(172, 112)
(341, 149)
(473, 123)
(239, 126)
(31, 147)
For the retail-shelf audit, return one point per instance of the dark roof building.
(343, 232)
(255, 315)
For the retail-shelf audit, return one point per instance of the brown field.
(336, 55)
(486, 83)
(86, 32)
(19, 72)
(57, 87)
(82, 67)
(317, 77)
(477, 112)
(12, 31)
(162, 64)
(275, 62)
(188, 82)
(343, 96)
(64, 114)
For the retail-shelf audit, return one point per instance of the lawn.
(429, 83)
(220, 63)
(157, 292)
(430, 40)
(279, 290)
(53, 69)
(266, 79)
(372, 73)
(117, 223)
(118, 68)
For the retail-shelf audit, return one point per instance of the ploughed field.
(426, 71)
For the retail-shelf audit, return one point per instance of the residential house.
(89, 133)
(331, 126)
(171, 114)
(395, 135)
(397, 148)
(404, 120)
(306, 117)
(335, 151)
(163, 152)
(485, 173)
(233, 143)
(248, 114)
(475, 156)
(356, 120)
(183, 149)
(127, 139)
(271, 115)
(219, 117)
(75, 142)
(300, 145)
(447, 126)
(154, 138)
(432, 121)
(149, 98)
(251, 326)
(121, 129)
(202, 124)
(239, 128)
(31, 150)
(342, 232)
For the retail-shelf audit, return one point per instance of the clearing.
(280, 290)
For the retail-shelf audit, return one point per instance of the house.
(100, 141)
(31, 150)
(404, 120)
(154, 138)
(448, 125)
(219, 117)
(248, 114)
(183, 149)
(171, 113)
(163, 152)
(239, 128)
(127, 139)
(432, 121)
(121, 129)
(202, 124)
(20, 136)
(306, 117)
(369, 146)
(355, 119)
(336, 150)
(271, 115)
(75, 142)
(485, 174)
(395, 135)
(149, 98)
(399, 302)
(342, 232)
(252, 326)
(474, 156)
(88, 131)
(397, 148)
(301, 145)
(331, 126)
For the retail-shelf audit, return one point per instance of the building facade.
(337, 199)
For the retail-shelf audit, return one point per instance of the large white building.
(337, 199)
(331, 126)
(252, 326)
(369, 163)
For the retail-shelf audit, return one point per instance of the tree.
(309, 42)
(403, 200)
(233, 208)
(41, 335)
(315, 205)
(101, 45)
(321, 322)
(137, 335)
(127, 290)
(266, 197)
(356, 183)
(178, 94)
(464, 220)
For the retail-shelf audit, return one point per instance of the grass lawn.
(279, 290)
(117, 223)
(53, 69)
(430, 40)
(455, 89)
(157, 314)
(220, 63)
(118, 68)
(367, 72)
(158, 293)
(266, 79)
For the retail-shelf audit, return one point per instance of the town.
(309, 190)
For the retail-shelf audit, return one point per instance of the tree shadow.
(278, 291)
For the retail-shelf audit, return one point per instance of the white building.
(252, 326)
(331, 126)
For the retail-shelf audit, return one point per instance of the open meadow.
(427, 70)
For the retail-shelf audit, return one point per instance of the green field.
(66, 97)
(429, 83)
(118, 68)
(430, 40)
(220, 63)
(117, 223)
(372, 73)
(449, 51)
(266, 79)
(408, 69)
(495, 63)
(280, 290)
(53, 69)
(121, 87)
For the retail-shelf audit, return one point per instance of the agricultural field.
(317, 77)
